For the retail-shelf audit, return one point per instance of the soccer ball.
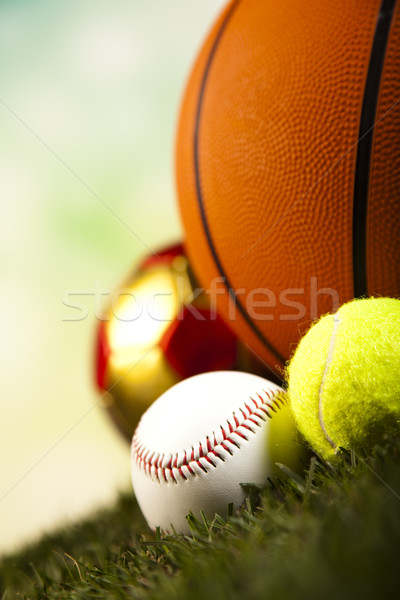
(160, 328)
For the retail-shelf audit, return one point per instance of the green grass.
(333, 534)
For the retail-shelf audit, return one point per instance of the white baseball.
(198, 442)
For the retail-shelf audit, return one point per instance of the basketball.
(288, 164)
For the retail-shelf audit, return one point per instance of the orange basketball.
(288, 163)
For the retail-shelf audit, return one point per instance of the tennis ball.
(344, 377)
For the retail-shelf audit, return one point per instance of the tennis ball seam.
(343, 380)
(329, 359)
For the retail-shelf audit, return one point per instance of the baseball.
(203, 438)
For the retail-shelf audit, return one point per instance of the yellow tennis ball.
(344, 378)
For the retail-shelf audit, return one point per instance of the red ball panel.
(197, 343)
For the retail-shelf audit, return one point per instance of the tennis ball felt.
(344, 377)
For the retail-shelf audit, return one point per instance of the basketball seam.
(364, 146)
(199, 194)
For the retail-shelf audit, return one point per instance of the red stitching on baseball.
(218, 455)
(201, 466)
(153, 464)
(225, 447)
(266, 412)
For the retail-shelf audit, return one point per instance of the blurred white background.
(88, 107)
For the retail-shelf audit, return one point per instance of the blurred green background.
(89, 97)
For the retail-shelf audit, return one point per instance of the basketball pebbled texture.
(282, 207)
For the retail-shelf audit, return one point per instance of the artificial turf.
(334, 533)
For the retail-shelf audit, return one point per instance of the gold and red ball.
(160, 328)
